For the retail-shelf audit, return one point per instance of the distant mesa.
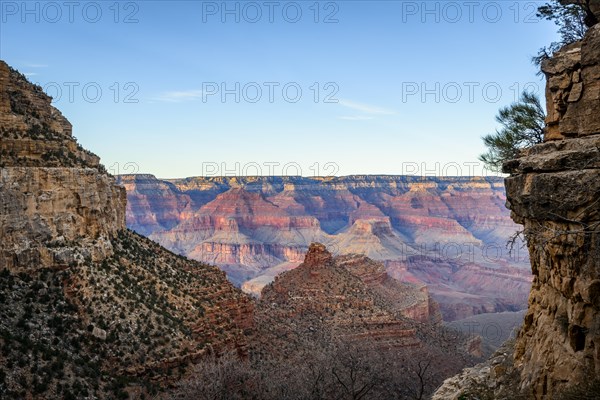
(448, 233)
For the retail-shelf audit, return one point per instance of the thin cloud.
(179, 96)
(30, 73)
(366, 108)
(33, 65)
(356, 118)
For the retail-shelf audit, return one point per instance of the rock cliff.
(554, 191)
(50, 188)
(89, 309)
(447, 233)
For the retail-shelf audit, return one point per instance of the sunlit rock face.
(51, 189)
(447, 233)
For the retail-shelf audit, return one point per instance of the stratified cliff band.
(449, 233)
(554, 191)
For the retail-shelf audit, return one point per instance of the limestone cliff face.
(51, 193)
(573, 89)
(34, 133)
(554, 191)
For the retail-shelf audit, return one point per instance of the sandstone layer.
(554, 191)
(450, 233)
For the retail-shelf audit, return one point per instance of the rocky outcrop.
(85, 304)
(349, 303)
(447, 233)
(351, 298)
(51, 192)
(573, 89)
(321, 290)
(493, 379)
(554, 191)
(45, 209)
(33, 132)
(408, 300)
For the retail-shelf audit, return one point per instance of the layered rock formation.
(350, 298)
(338, 327)
(89, 309)
(447, 233)
(409, 300)
(320, 289)
(67, 200)
(554, 191)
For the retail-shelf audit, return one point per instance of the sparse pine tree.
(573, 18)
(522, 124)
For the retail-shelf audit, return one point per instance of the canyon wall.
(554, 191)
(50, 188)
(448, 233)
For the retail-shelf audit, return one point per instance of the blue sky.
(186, 88)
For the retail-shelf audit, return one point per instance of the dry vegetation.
(90, 330)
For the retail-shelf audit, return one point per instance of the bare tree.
(356, 374)
(219, 378)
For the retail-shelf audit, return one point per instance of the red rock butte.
(317, 256)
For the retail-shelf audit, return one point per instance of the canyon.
(449, 234)
(91, 309)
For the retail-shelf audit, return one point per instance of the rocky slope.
(351, 300)
(447, 233)
(337, 328)
(88, 308)
(406, 299)
(322, 291)
(554, 191)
